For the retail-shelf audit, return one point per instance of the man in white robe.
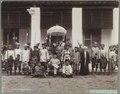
(25, 59)
(9, 59)
(18, 58)
(44, 56)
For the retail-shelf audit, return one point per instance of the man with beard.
(85, 60)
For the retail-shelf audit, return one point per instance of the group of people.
(104, 59)
(58, 59)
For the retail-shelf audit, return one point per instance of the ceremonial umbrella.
(56, 30)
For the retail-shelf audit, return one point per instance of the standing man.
(34, 59)
(80, 48)
(18, 58)
(54, 48)
(85, 60)
(44, 56)
(63, 44)
(38, 44)
(103, 58)
(76, 60)
(28, 47)
(68, 43)
(9, 59)
(59, 51)
(25, 59)
(112, 60)
(66, 55)
(95, 57)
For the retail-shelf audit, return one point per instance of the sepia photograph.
(58, 47)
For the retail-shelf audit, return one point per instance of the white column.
(35, 25)
(115, 31)
(77, 34)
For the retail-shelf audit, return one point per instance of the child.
(25, 69)
(67, 69)
(39, 71)
(55, 62)
(17, 64)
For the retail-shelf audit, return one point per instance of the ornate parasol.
(56, 30)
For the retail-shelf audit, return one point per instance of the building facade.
(85, 21)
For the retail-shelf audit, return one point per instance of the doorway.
(10, 36)
(56, 39)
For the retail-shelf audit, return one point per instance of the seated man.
(55, 62)
(39, 71)
(67, 69)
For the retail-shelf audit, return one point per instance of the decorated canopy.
(56, 30)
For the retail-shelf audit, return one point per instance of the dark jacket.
(84, 70)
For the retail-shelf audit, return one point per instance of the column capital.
(31, 11)
(35, 25)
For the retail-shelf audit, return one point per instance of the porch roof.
(23, 5)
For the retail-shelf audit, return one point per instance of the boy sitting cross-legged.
(39, 71)
(67, 69)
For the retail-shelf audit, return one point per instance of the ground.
(77, 85)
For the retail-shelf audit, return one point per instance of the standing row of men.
(24, 60)
(101, 58)
(20, 60)
(62, 57)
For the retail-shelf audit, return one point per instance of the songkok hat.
(17, 43)
(25, 45)
(35, 46)
(94, 42)
(85, 47)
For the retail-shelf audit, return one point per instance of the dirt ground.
(77, 85)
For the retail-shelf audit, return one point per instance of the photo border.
(118, 77)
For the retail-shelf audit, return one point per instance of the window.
(92, 35)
